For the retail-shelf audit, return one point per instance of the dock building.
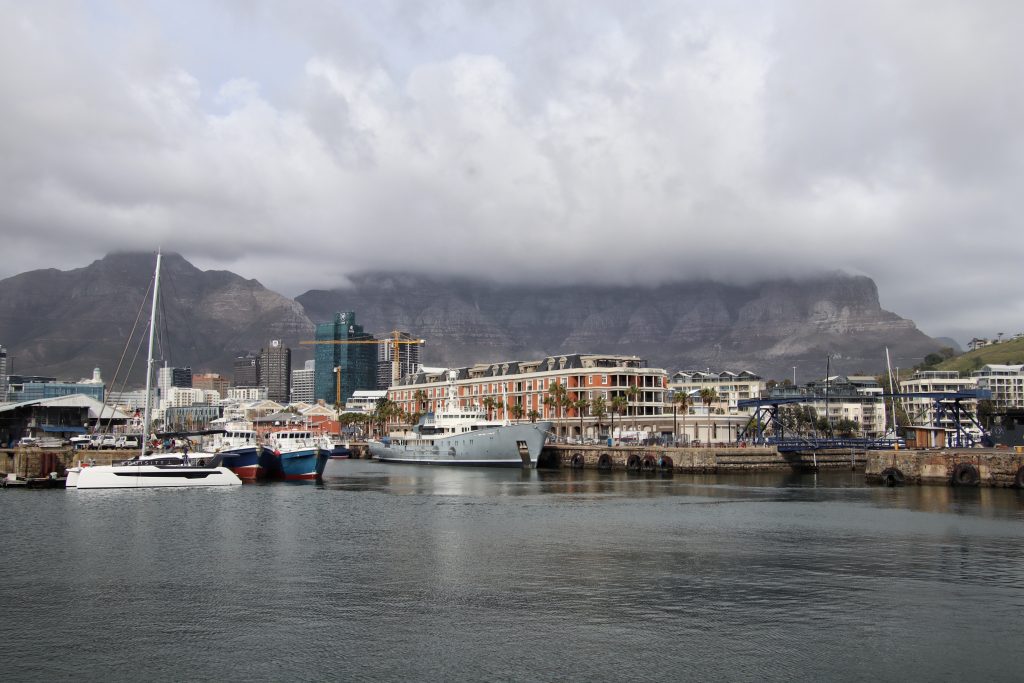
(522, 389)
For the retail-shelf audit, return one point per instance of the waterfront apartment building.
(33, 388)
(1006, 382)
(729, 387)
(247, 394)
(275, 370)
(921, 409)
(408, 359)
(517, 389)
(302, 383)
(355, 362)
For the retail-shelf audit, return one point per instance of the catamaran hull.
(147, 476)
(517, 445)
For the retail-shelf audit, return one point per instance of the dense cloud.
(586, 141)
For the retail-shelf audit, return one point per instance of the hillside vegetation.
(1003, 353)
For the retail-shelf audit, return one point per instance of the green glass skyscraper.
(358, 362)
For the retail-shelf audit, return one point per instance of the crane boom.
(395, 342)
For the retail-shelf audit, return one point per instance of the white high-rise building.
(1006, 382)
(302, 384)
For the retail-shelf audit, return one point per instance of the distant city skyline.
(579, 141)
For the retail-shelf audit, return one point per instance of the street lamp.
(675, 427)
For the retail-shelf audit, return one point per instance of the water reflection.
(786, 486)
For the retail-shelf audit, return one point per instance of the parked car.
(28, 441)
(127, 442)
(107, 441)
(80, 441)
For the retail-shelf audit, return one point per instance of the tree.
(533, 415)
(707, 397)
(598, 409)
(490, 403)
(557, 393)
(420, 398)
(632, 393)
(580, 405)
(682, 402)
(618, 407)
(516, 410)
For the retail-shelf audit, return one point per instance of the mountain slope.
(64, 323)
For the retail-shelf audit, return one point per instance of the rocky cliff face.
(766, 327)
(65, 323)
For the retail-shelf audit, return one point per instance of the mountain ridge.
(65, 323)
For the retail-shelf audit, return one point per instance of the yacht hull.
(515, 445)
(153, 476)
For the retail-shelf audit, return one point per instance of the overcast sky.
(296, 142)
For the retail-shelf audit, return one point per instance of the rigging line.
(186, 324)
(135, 357)
(124, 352)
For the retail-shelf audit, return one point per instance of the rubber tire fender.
(965, 474)
(577, 461)
(891, 476)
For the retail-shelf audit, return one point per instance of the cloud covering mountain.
(527, 142)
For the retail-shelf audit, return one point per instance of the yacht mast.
(149, 358)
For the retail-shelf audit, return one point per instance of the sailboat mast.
(149, 357)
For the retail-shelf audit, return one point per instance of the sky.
(573, 141)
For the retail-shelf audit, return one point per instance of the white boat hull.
(153, 476)
(514, 445)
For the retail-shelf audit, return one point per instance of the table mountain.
(767, 327)
(64, 323)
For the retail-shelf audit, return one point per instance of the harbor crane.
(396, 342)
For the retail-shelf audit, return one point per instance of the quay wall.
(957, 467)
(39, 462)
(692, 459)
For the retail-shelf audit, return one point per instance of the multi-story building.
(857, 398)
(179, 397)
(1006, 382)
(921, 410)
(247, 394)
(25, 388)
(356, 363)
(275, 370)
(302, 383)
(246, 371)
(129, 401)
(211, 381)
(364, 401)
(730, 387)
(3, 374)
(408, 359)
(167, 377)
(514, 389)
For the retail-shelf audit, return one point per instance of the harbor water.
(407, 572)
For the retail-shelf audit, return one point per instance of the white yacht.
(461, 435)
(156, 471)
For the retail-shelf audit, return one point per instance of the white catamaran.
(160, 469)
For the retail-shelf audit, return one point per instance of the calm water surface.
(420, 573)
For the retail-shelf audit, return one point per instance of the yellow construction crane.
(396, 341)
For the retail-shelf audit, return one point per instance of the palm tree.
(490, 403)
(598, 409)
(681, 400)
(533, 415)
(557, 393)
(420, 398)
(618, 406)
(516, 410)
(580, 405)
(707, 397)
(632, 393)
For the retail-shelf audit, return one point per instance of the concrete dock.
(693, 460)
(947, 467)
